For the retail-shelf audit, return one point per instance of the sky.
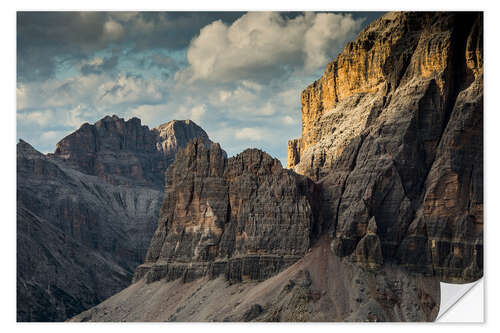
(238, 75)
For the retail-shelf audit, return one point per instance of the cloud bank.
(261, 46)
(238, 75)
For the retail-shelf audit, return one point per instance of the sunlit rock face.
(394, 130)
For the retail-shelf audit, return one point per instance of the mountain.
(382, 198)
(222, 216)
(243, 230)
(393, 130)
(87, 212)
(125, 152)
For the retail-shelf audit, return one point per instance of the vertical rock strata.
(393, 130)
(245, 217)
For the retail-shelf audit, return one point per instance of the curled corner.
(462, 302)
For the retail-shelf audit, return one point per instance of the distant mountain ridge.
(86, 213)
(126, 152)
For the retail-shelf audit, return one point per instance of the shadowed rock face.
(57, 276)
(84, 217)
(126, 152)
(245, 217)
(393, 131)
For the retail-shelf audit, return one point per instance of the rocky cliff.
(392, 132)
(382, 199)
(126, 152)
(244, 217)
(84, 217)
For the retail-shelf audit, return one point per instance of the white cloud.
(97, 61)
(39, 118)
(267, 110)
(328, 32)
(21, 97)
(102, 91)
(252, 85)
(243, 92)
(155, 115)
(197, 112)
(260, 45)
(130, 89)
(251, 133)
(112, 30)
(56, 93)
(224, 95)
(151, 114)
(75, 117)
(289, 97)
(66, 117)
(51, 136)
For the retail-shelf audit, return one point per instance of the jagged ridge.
(86, 213)
(126, 152)
(245, 217)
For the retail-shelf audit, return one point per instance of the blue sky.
(238, 75)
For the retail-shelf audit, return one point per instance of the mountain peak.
(122, 151)
(26, 150)
(177, 133)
